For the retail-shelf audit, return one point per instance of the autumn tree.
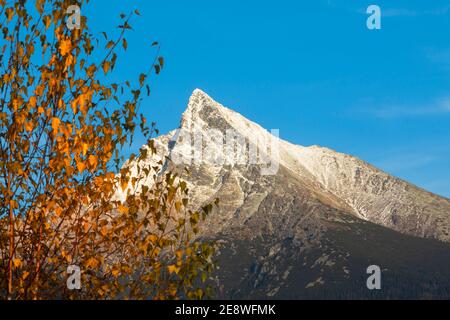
(63, 127)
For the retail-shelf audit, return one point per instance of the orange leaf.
(178, 206)
(28, 126)
(73, 104)
(173, 268)
(115, 273)
(106, 65)
(55, 124)
(122, 209)
(153, 238)
(80, 166)
(104, 231)
(65, 47)
(91, 262)
(92, 160)
(32, 101)
(85, 147)
(9, 13)
(17, 263)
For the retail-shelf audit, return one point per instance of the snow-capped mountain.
(299, 222)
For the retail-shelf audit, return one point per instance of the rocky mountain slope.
(304, 222)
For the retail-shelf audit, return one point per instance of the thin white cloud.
(405, 162)
(439, 107)
(398, 12)
(406, 12)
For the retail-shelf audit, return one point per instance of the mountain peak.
(204, 112)
(310, 213)
(199, 92)
(197, 99)
(209, 135)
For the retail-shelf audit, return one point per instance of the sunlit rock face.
(303, 222)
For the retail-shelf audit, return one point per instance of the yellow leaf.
(13, 204)
(28, 126)
(15, 104)
(106, 65)
(58, 211)
(47, 20)
(85, 147)
(17, 263)
(65, 47)
(9, 13)
(122, 209)
(115, 273)
(178, 206)
(32, 101)
(92, 160)
(91, 262)
(73, 104)
(80, 166)
(104, 231)
(153, 238)
(55, 124)
(82, 101)
(69, 61)
(173, 268)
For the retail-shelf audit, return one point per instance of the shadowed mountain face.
(304, 222)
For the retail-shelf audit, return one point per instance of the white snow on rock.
(370, 193)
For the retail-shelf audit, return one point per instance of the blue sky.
(310, 68)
